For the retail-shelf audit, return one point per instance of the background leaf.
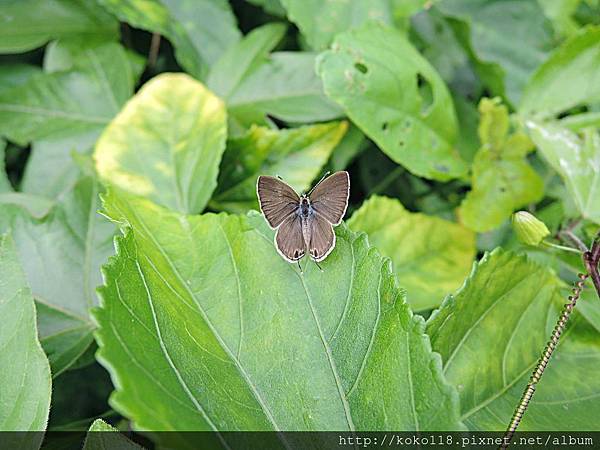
(576, 158)
(286, 87)
(568, 78)
(61, 254)
(189, 24)
(320, 20)
(297, 155)
(102, 436)
(362, 360)
(25, 389)
(502, 179)
(431, 256)
(27, 24)
(514, 35)
(501, 318)
(395, 97)
(101, 82)
(180, 128)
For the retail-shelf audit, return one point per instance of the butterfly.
(304, 223)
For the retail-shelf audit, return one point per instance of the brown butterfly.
(304, 223)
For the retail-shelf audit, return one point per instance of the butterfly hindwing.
(322, 238)
(289, 239)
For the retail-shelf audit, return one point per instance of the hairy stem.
(543, 362)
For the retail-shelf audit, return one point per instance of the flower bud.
(529, 229)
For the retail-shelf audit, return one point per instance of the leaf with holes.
(431, 256)
(502, 179)
(204, 326)
(166, 143)
(296, 155)
(490, 335)
(395, 97)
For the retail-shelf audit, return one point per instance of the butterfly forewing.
(330, 198)
(322, 238)
(277, 200)
(289, 239)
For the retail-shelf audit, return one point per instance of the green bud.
(529, 229)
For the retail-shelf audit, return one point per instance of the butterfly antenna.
(322, 178)
(279, 177)
(300, 267)
(320, 268)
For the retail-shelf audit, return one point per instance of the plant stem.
(154, 47)
(543, 362)
(561, 247)
(575, 240)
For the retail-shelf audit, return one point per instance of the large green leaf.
(27, 24)
(569, 78)
(431, 256)
(490, 335)
(204, 326)
(166, 143)
(61, 254)
(576, 158)
(320, 20)
(24, 370)
(284, 86)
(514, 35)
(200, 30)
(45, 104)
(395, 97)
(297, 155)
(502, 179)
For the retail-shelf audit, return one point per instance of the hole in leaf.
(384, 126)
(426, 93)
(361, 67)
(401, 143)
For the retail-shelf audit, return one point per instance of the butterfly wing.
(322, 238)
(330, 198)
(289, 240)
(277, 200)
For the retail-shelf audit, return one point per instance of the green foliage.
(102, 436)
(180, 127)
(502, 180)
(172, 284)
(395, 97)
(27, 24)
(188, 24)
(501, 318)
(295, 155)
(152, 120)
(421, 247)
(316, 17)
(25, 390)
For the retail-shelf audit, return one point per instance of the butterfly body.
(304, 223)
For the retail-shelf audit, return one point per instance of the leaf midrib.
(220, 340)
